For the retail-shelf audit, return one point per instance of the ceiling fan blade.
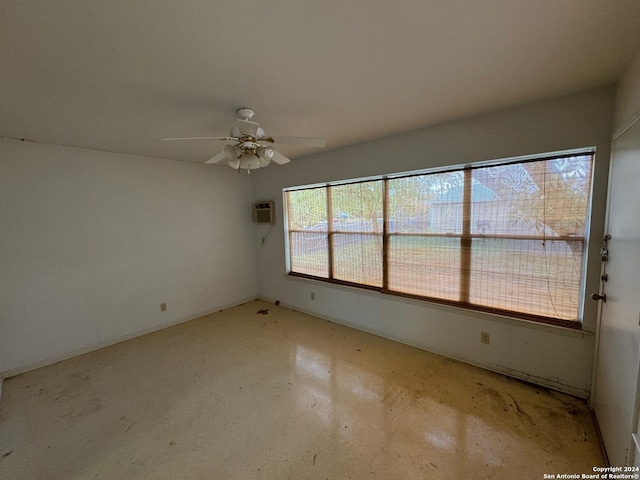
(199, 138)
(306, 141)
(217, 158)
(279, 158)
(246, 127)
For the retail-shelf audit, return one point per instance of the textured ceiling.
(117, 75)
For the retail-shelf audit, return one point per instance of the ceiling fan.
(247, 152)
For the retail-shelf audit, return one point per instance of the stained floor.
(283, 395)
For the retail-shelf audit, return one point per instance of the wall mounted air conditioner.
(264, 212)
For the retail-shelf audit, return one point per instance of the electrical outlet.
(163, 307)
(485, 338)
(312, 295)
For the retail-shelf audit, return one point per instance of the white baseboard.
(560, 387)
(74, 353)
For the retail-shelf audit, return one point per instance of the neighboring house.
(488, 215)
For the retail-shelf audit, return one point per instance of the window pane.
(308, 246)
(358, 258)
(307, 209)
(426, 203)
(547, 198)
(357, 207)
(309, 253)
(527, 276)
(428, 266)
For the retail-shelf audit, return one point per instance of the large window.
(505, 238)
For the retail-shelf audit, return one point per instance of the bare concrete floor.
(283, 395)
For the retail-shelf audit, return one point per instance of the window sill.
(577, 332)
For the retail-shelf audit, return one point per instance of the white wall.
(543, 354)
(92, 242)
(627, 105)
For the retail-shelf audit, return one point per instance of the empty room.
(290, 240)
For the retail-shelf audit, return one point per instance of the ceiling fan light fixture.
(249, 162)
(265, 154)
(232, 152)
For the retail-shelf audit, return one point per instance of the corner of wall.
(627, 97)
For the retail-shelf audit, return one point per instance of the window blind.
(507, 238)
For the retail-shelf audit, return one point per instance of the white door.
(616, 385)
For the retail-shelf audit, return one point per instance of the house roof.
(479, 193)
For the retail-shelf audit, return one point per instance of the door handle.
(603, 297)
